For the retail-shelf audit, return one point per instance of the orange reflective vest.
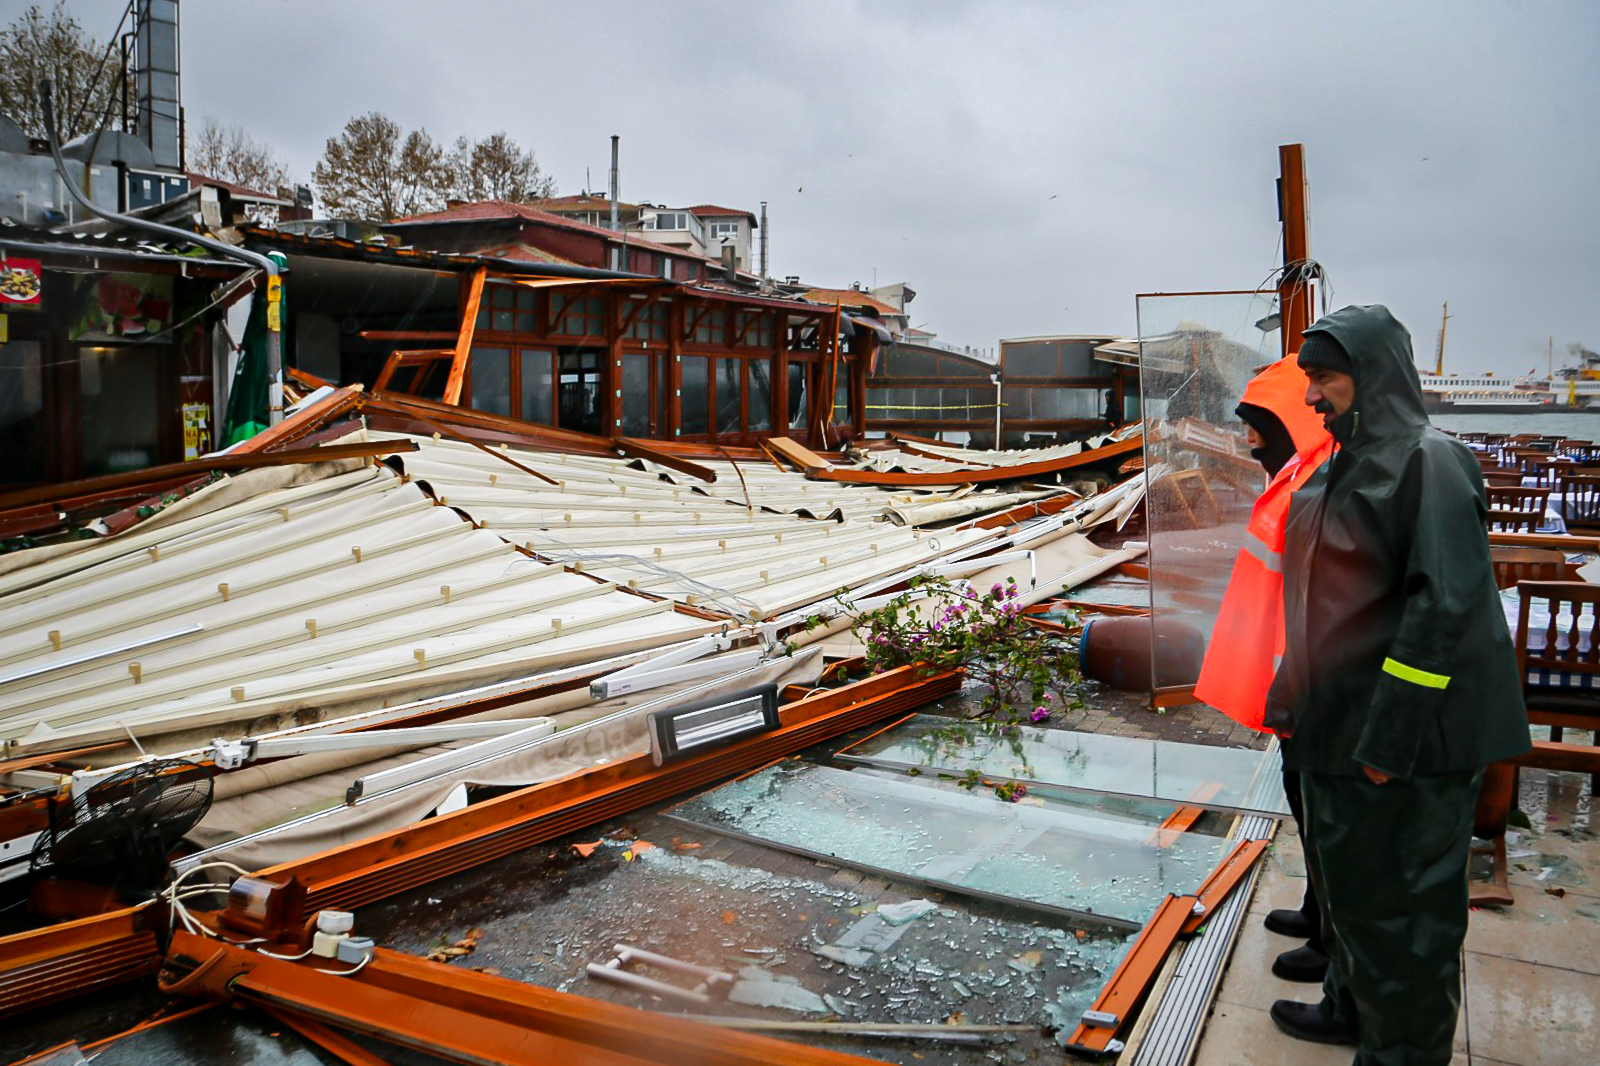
(1247, 643)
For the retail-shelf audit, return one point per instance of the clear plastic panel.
(1197, 351)
(1072, 863)
(1199, 775)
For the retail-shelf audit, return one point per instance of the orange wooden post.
(469, 323)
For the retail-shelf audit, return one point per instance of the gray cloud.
(1451, 145)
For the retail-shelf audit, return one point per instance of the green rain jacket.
(1397, 654)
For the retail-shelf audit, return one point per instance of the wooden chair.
(1561, 677)
(1547, 471)
(1512, 565)
(1516, 510)
(1501, 478)
(1580, 497)
(1582, 451)
(1525, 459)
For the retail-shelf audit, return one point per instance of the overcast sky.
(1027, 167)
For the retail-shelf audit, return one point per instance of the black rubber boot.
(1305, 964)
(1286, 922)
(1311, 1021)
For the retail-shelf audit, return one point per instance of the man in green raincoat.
(1398, 686)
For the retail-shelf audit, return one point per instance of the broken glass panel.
(1069, 863)
(1197, 351)
(1199, 775)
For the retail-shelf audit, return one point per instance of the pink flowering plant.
(1021, 673)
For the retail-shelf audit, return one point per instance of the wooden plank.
(796, 454)
(977, 476)
(469, 325)
(630, 448)
(28, 762)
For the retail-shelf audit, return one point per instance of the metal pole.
(255, 259)
(766, 283)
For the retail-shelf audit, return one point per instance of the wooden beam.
(629, 448)
(981, 475)
(302, 422)
(469, 325)
(1294, 289)
(407, 335)
(248, 461)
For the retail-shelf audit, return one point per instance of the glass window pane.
(1197, 352)
(121, 403)
(841, 398)
(635, 395)
(759, 393)
(491, 380)
(1069, 861)
(658, 372)
(1240, 779)
(503, 321)
(21, 412)
(536, 388)
(797, 395)
(728, 395)
(695, 401)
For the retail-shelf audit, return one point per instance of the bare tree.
(228, 153)
(53, 45)
(371, 171)
(496, 168)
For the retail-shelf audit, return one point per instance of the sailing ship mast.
(1438, 361)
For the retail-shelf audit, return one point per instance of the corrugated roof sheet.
(358, 586)
(638, 528)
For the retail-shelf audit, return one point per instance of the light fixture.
(677, 732)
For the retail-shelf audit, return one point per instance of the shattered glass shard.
(1010, 852)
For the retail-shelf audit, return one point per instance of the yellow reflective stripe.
(1415, 676)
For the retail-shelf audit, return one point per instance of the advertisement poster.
(196, 430)
(125, 307)
(21, 282)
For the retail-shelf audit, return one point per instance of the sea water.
(1584, 425)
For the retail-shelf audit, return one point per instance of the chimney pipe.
(766, 282)
(616, 188)
(156, 79)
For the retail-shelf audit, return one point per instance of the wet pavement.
(1531, 992)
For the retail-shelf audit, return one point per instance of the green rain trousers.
(1390, 867)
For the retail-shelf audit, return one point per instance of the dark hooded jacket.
(1397, 653)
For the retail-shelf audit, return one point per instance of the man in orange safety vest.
(1290, 441)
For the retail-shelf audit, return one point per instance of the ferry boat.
(1491, 394)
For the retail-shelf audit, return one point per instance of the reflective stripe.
(1268, 558)
(1415, 676)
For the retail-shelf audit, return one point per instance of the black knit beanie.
(1277, 446)
(1319, 348)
